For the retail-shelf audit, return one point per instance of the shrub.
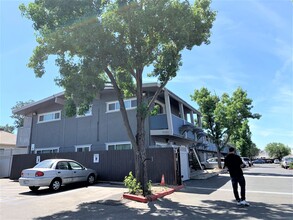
(131, 183)
(291, 165)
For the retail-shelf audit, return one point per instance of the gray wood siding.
(99, 128)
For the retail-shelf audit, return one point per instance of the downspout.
(31, 134)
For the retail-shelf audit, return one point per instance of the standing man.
(233, 162)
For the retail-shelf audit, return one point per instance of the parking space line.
(230, 190)
(262, 176)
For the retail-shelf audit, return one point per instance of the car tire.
(55, 185)
(34, 188)
(91, 179)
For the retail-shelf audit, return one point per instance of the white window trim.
(161, 144)
(117, 143)
(117, 110)
(90, 112)
(47, 113)
(83, 146)
(46, 148)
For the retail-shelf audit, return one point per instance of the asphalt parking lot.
(269, 191)
(18, 202)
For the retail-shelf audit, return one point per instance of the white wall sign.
(96, 158)
(38, 159)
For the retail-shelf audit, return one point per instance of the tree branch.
(122, 108)
(157, 93)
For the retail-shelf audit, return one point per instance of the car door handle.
(59, 172)
(74, 172)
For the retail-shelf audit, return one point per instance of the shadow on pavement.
(268, 174)
(167, 209)
(197, 186)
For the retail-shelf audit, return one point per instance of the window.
(75, 166)
(50, 116)
(119, 146)
(115, 106)
(83, 148)
(62, 165)
(47, 150)
(87, 113)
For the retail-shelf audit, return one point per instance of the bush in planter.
(131, 183)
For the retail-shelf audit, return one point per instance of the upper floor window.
(46, 150)
(87, 113)
(83, 148)
(49, 116)
(115, 106)
(119, 146)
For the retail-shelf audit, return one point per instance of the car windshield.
(45, 164)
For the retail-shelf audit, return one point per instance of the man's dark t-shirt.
(234, 162)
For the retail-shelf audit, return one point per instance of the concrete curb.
(153, 197)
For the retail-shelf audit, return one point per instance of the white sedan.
(54, 173)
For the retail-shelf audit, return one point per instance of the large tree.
(223, 116)
(95, 41)
(242, 140)
(277, 150)
(7, 128)
(18, 119)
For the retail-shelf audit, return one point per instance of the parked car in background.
(258, 161)
(247, 161)
(212, 163)
(276, 161)
(54, 173)
(286, 161)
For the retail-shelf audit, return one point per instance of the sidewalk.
(205, 174)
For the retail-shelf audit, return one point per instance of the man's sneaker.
(243, 202)
(238, 202)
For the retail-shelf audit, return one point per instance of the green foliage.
(87, 37)
(253, 151)
(277, 150)
(98, 41)
(149, 187)
(19, 118)
(291, 165)
(241, 138)
(7, 128)
(70, 107)
(132, 184)
(226, 117)
(155, 110)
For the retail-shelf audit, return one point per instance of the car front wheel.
(91, 179)
(34, 188)
(55, 185)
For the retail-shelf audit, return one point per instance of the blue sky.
(251, 47)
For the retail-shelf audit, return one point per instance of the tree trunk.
(219, 155)
(140, 136)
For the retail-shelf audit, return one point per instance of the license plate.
(26, 182)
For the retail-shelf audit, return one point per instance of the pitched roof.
(7, 139)
(57, 98)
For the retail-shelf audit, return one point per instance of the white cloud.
(269, 15)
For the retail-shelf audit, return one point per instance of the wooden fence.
(110, 165)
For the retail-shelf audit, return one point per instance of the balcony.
(159, 126)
